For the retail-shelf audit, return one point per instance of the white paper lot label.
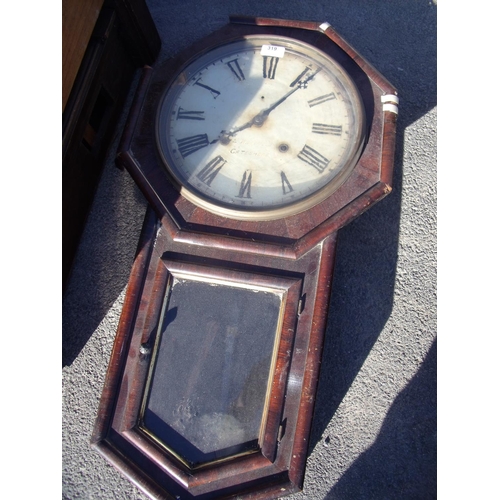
(272, 50)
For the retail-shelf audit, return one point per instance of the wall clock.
(260, 128)
(253, 147)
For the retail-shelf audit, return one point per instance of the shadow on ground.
(367, 251)
(402, 462)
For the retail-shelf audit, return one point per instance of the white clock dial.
(260, 128)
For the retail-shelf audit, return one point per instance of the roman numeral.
(234, 66)
(215, 93)
(189, 145)
(245, 185)
(321, 99)
(285, 184)
(321, 128)
(313, 158)
(182, 114)
(269, 66)
(210, 170)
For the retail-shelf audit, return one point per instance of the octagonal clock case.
(253, 148)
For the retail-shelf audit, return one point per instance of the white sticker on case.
(272, 50)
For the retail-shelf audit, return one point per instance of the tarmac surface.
(374, 427)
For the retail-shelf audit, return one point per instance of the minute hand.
(261, 117)
(265, 112)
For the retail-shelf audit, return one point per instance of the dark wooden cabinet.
(103, 44)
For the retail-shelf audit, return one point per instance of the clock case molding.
(299, 250)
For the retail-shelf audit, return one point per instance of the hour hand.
(225, 137)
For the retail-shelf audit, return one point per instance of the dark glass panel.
(208, 390)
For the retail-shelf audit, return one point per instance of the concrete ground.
(374, 429)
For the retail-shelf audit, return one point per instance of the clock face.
(260, 128)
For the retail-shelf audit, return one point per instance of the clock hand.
(303, 84)
(257, 120)
(261, 117)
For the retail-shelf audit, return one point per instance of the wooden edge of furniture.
(138, 30)
(123, 37)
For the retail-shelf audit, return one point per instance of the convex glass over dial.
(260, 128)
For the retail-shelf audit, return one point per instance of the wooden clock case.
(293, 257)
